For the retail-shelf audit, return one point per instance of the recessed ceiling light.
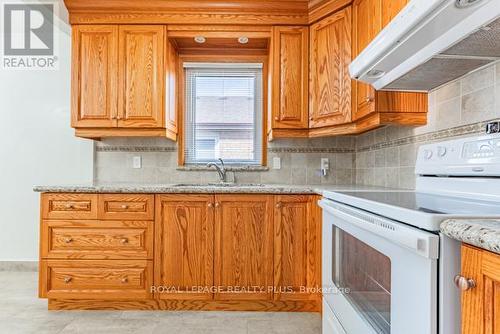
(200, 39)
(243, 40)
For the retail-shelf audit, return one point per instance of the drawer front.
(97, 239)
(126, 206)
(112, 279)
(69, 206)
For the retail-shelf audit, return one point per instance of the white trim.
(222, 65)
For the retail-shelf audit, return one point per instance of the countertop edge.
(482, 233)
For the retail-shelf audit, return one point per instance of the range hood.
(430, 43)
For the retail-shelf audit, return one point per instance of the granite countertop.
(203, 188)
(482, 233)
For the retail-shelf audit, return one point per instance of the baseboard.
(19, 266)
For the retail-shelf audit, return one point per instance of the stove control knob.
(441, 151)
(428, 154)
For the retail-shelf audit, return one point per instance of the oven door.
(379, 276)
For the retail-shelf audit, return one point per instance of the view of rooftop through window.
(224, 113)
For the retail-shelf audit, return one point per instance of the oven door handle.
(423, 243)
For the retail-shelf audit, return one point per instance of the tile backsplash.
(384, 157)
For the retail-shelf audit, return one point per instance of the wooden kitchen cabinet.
(372, 108)
(289, 84)
(123, 81)
(330, 93)
(94, 76)
(243, 246)
(184, 245)
(480, 282)
(297, 247)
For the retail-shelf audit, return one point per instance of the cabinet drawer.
(69, 206)
(97, 239)
(96, 279)
(126, 206)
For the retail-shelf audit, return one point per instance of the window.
(223, 116)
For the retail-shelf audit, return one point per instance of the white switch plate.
(276, 163)
(137, 162)
(325, 163)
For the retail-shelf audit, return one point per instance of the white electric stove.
(386, 267)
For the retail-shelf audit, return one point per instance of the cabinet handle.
(124, 206)
(69, 206)
(124, 241)
(210, 205)
(124, 280)
(369, 99)
(276, 118)
(67, 279)
(464, 283)
(217, 204)
(68, 240)
(279, 205)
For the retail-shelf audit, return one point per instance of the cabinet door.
(367, 23)
(142, 77)
(297, 247)
(172, 63)
(94, 76)
(330, 80)
(184, 245)
(391, 8)
(290, 78)
(243, 247)
(481, 304)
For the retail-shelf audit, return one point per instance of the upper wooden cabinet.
(141, 79)
(119, 81)
(330, 97)
(94, 76)
(391, 8)
(290, 78)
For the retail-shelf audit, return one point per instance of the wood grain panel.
(401, 102)
(69, 206)
(330, 93)
(94, 80)
(472, 300)
(96, 239)
(98, 279)
(390, 9)
(243, 247)
(491, 271)
(142, 77)
(297, 249)
(290, 77)
(184, 246)
(171, 90)
(126, 206)
(97, 133)
(187, 305)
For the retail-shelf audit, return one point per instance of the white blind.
(223, 113)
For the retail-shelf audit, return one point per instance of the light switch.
(325, 166)
(276, 163)
(137, 162)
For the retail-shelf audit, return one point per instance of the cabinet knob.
(67, 279)
(217, 204)
(369, 99)
(124, 240)
(68, 240)
(464, 283)
(124, 206)
(276, 118)
(279, 205)
(210, 205)
(124, 280)
(69, 206)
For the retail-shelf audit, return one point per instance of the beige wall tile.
(478, 80)
(448, 114)
(478, 106)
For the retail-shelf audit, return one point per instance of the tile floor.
(22, 312)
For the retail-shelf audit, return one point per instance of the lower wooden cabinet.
(199, 252)
(480, 282)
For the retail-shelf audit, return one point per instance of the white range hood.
(429, 43)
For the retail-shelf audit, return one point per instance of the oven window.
(364, 276)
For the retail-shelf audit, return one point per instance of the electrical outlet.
(137, 162)
(325, 166)
(276, 163)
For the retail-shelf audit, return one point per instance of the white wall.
(37, 146)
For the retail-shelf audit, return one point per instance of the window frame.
(216, 59)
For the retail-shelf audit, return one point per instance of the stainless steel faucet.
(221, 170)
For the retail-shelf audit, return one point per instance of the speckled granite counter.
(483, 233)
(184, 188)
